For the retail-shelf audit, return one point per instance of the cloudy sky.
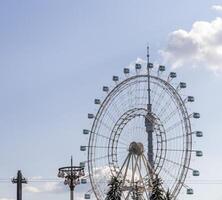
(55, 55)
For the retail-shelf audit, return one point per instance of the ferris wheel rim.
(182, 108)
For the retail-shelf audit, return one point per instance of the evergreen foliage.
(115, 191)
(157, 190)
(168, 195)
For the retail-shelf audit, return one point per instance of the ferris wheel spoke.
(164, 108)
(160, 97)
(137, 92)
(144, 97)
(133, 95)
(108, 138)
(155, 92)
(175, 138)
(105, 125)
(95, 159)
(173, 126)
(110, 129)
(124, 103)
(168, 117)
(163, 113)
(111, 117)
(118, 157)
(130, 91)
(175, 163)
(175, 178)
(117, 107)
(120, 153)
(181, 150)
(125, 139)
(128, 99)
(104, 147)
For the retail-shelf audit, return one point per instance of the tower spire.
(149, 106)
(71, 166)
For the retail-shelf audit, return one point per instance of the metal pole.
(19, 186)
(19, 181)
(71, 194)
(71, 184)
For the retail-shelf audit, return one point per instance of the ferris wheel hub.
(136, 148)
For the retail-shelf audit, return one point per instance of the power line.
(45, 180)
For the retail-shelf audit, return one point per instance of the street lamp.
(72, 175)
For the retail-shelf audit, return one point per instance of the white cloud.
(46, 187)
(6, 199)
(35, 178)
(216, 7)
(54, 187)
(131, 66)
(31, 189)
(143, 63)
(199, 47)
(101, 175)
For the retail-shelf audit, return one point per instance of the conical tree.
(157, 190)
(168, 195)
(115, 191)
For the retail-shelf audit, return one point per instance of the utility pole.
(19, 181)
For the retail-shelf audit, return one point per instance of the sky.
(55, 56)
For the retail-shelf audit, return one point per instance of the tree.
(115, 191)
(168, 195)
(157, 190)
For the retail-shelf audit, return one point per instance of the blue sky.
(56, 55)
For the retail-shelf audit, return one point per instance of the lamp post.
(71, 174)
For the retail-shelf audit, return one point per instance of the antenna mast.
(149, 106)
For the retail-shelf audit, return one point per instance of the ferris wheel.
(142, 128)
